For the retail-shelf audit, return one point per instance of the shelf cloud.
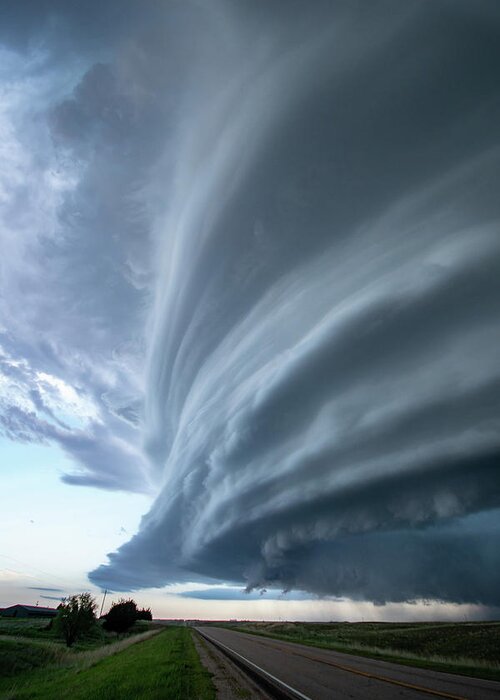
(323, 392)
(285, 219)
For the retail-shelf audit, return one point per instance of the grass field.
(466, 648)
(25, 627)
(165, 666)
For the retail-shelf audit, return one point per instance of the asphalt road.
(321, 674)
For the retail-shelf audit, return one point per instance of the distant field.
(24, 627)
(467, 648)
(149, 665)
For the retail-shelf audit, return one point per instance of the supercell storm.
(323, 392)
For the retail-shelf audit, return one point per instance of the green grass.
(165, 666)
(466, 648)
(19, 656)
(25, 627)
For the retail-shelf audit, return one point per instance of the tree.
(121, 616)
(75, 617)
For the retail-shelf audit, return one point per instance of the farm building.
(28, 611)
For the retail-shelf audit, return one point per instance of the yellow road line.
(385, 679)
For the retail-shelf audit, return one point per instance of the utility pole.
(102, 604)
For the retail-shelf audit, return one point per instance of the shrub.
(75, 617)
(121, 616)
(144, 614)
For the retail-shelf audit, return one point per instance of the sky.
(249, 306)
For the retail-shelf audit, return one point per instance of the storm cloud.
(323, 393)
(290, 216)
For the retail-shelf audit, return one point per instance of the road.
(321, 674)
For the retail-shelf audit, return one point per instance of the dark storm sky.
(267, 255)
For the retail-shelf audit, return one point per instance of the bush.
(121, 616)
(75, 617)
(144, 614)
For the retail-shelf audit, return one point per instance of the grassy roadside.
(38, 630)
(165, 666)
(470, 649)
(21, 654)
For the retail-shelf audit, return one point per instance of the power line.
(53, 577)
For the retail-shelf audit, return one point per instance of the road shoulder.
(230, 682)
